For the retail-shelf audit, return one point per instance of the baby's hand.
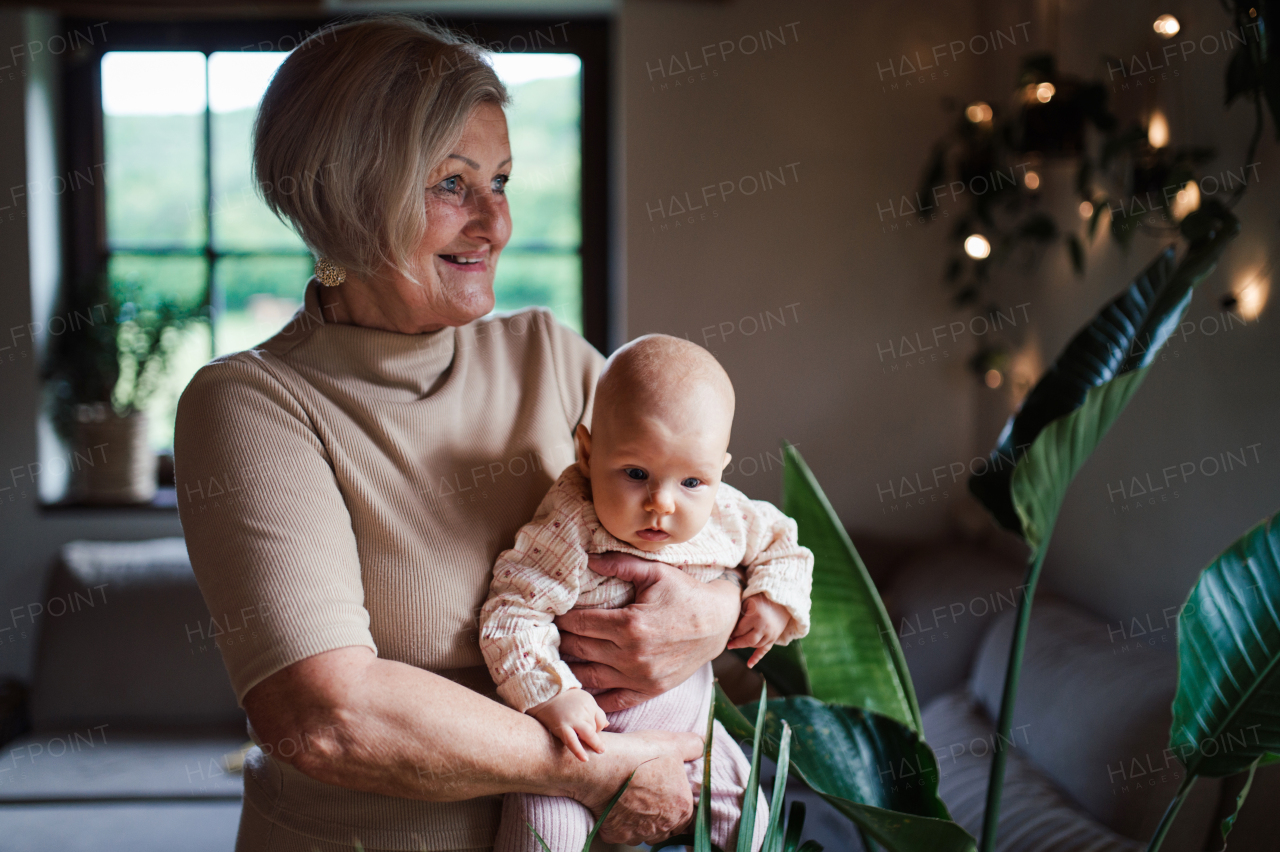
(760, 625)
(575, 718)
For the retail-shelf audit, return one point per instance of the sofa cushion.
(1096, 721)
(941, 603)
(104, 764)
(125, 641)
(1034, 815)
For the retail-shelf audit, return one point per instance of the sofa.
(1088, 765)
(133, 732)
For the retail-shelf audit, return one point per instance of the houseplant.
(98, 378)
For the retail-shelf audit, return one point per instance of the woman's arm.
(675, 626)
(347, 717)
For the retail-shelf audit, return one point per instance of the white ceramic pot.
(113, 462)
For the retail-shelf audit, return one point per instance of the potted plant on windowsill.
(98, 378)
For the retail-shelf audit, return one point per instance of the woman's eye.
(451, 184)
(500, 184)
(635, 473)
(691, 482)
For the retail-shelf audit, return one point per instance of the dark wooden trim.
(588, 37)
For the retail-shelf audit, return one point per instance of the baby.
(646, 482)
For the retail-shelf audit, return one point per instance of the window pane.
(241, 221)
(259, 294)
(543, 122)
(147, 281)
(153, 128)
(553, 280)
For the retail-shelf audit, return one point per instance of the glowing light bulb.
(1187, 200)
(993, 378)
(1167, 26)
(1086, 209)
(1044, 92)
(978, 112)
(1032, 180)
(976, 246)
(1251, 297)
(1158, 130)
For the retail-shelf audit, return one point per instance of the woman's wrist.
(728, 588)
(592, 782)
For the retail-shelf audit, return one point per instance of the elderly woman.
(348, 483)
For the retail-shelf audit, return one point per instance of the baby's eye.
(635, 473)
(691, 482)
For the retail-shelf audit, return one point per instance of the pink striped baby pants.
(565, 824)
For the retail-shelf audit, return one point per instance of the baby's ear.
(728, 457)
(582, 447)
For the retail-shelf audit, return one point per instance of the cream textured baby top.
(546, 575)
(344, 486)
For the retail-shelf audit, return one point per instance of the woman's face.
(468, 224)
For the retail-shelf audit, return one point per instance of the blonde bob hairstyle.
(352, 125)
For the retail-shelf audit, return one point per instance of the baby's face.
(654, 478)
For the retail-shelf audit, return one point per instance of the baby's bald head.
(665, 378)
(658, 442)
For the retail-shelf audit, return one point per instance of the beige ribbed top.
(344, 486)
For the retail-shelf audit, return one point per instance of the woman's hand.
(659, 800)
(675, 626)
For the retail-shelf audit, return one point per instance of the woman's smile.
(467, 261)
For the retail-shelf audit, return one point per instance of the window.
(181, 216)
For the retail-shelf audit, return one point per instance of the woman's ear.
(582, 446)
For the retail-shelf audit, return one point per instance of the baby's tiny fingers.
(758, 656)
(570, 738)
(592, 739)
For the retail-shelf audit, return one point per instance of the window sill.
(165, 501)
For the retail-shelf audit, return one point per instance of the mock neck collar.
(386, 359)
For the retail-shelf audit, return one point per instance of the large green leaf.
(1041, 479)
(1226, 713)
(851, 655)
(1122, 340)
(874, 770)
(783, 667)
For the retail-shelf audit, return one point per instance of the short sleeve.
(578, 366)
(267, 530)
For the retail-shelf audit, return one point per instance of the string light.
(1158, 130)
(978, 112)
(1044, 92)
(1251, 297)
(1032, 180)
(976, 246)
(1187, 200)
(993, 378)
(1086, 209)
(1167, 26)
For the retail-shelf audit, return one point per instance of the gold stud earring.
(329, 273)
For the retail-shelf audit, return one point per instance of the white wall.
(818, 244)
(812, 250)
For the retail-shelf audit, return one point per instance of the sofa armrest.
(124, 641)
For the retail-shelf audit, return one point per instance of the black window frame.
(82, 143)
